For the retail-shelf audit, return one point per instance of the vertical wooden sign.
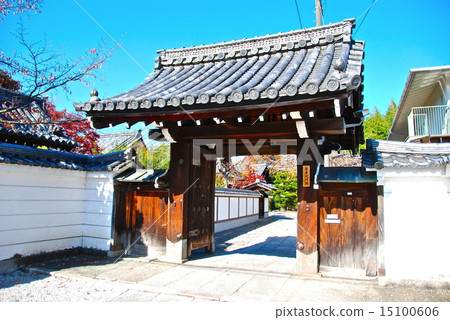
(306, 176)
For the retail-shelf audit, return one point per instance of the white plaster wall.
(98, 208)
(222, 208)
(234, 210)
(242, 207)
(266, 205)
(229, 224)
(416, 222)
(45, 209)
(41, 209)
(255, 205)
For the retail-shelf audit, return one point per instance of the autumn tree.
(75, 126)
(248, 177)
(7, 82)
(41, 69)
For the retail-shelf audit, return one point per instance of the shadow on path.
(279, 246)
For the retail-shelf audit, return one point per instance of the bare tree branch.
(42, 69)
(18, 6)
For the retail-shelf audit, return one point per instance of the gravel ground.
(26, 287)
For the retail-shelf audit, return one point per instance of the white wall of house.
(45, 209)
(416, 223)
(98, 208)
(235, 209)
(266, 205)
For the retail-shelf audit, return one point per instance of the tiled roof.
(229, 191)
(22, 155)
(296, 64)
(120, 140)
(142, 175)
(346, 175)
(260, 185)
(50, 136)
(392, 154)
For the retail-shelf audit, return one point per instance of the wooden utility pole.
(318, 13)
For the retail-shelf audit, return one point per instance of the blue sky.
(399, 35)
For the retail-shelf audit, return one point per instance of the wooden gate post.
(180, 162)
(307, 216)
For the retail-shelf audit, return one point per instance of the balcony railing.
(428, 121)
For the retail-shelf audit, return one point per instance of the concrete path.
(253, 262)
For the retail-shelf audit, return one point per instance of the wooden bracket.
(301, 129)
(167, 135)
(337, 108)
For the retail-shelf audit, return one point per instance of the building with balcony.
(423, 113)
(413, 183)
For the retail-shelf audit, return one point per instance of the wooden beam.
(263, 130)
(104, 118)
(327, 126)
(259, 130)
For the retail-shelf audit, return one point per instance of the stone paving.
(251, 263)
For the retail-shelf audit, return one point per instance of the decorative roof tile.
(391, 154)
(299, 64)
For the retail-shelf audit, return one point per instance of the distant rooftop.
(51, 136)
(22, 155)
(392, 154)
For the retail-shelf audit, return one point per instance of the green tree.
(377, 125)
(156, 157)
(285, 197)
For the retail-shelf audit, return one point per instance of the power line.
(298, 13)
(365, 13)
(324, 5)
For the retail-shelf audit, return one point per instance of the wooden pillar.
(179, 173)
(380, 213)
(307, 216)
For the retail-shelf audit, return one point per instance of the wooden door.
(348, 229)
(261, 207)
(201, 206)
(148, 223)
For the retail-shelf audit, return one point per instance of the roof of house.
(50, 136)
(23, 155)
(142, 175)
(229, 191)
(258, 185)
(346, 175)
(392, 154)
(418, 88)
(297, 64)
(110, 142)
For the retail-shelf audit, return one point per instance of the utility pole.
(318, 13)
